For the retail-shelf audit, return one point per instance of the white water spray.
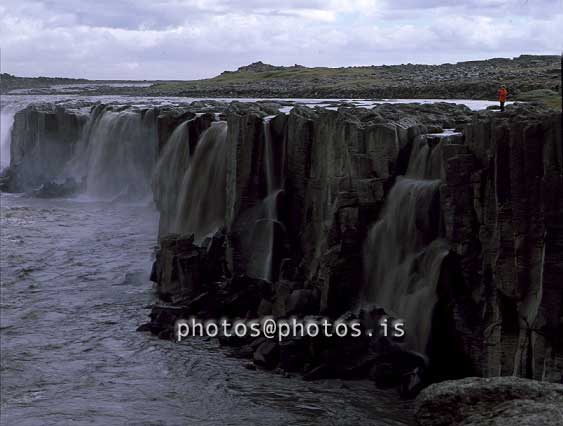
(170, 169)
(116, 154)
(263, 231)
(403, 253)
(202, 200)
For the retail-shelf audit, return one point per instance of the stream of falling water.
(203, 185)
(263, 229)
(403, 253)
(169, 173)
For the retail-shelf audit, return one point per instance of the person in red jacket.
(502, 94)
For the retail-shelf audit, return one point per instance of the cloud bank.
(185, 39)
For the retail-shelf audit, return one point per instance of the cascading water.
(168, 175)
(263, 233)
(8, 109)
(116, 153)
(6, 122)
(202, 204)
(403, 253)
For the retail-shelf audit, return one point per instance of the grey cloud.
(197, 38)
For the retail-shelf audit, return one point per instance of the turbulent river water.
(75, 286)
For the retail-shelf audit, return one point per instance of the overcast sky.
(183, 39)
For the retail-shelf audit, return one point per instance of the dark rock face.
(499, 206)
(502, 401)
(503, 211)
(297, 195)
(43, 141)
(182, 269)
(56, 190)
(51, 143)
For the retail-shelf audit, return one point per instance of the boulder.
(302, 302)
(58, 189)
(267, 355)
(500, 401)
(293, 354)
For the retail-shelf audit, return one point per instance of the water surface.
(74, 287)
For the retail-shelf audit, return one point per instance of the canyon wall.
(503, 211)
(340, 212)
(495, 300)
(43, 141)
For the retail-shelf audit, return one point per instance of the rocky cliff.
(503, 211)
(449, 219)
(497, 212)
(43, 141)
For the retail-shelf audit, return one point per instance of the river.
(75, 286)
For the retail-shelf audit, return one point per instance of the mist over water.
(6, 121)
(116, 153)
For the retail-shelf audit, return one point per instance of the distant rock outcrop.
(262, 67)
(462, 80)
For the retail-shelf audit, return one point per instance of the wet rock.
(320, 372)
(384, 375)
(267, 355)
(144, 327)
(413, 382)
(405, 368)
(282, 291)
(163, 319)
(44, 137)
(57, 190)
(302, 302)
(498, 210)
(182, 269)
(244, 352)
(502, 212)
(293, 354)
(264, 308)
(358, 367)
(504, 401)
(8, 182)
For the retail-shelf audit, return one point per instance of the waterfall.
(116, 153)
(8, 111)
(263, 231)
(403, 253)
(168, 175)
(202, 202)
(6, 122)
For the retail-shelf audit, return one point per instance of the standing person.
(502, 94)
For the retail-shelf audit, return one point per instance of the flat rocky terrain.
(528, 78)
(473, 80)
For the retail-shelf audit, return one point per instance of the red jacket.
(502, 93)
